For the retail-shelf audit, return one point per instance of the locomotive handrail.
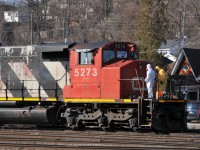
(62, 76)
(134, 79)
(22, 88)
(132, 84)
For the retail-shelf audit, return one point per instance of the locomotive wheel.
(111, 127)
(80, 126)
(133, 123)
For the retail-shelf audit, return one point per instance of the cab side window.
(85, 58)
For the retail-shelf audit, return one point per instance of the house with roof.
(170, 49)
(187, 69)
(171, 46)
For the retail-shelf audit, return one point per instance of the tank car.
(100, 84)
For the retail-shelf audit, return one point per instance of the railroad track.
(60, 138)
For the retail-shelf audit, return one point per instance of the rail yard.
(61, 88)
(60, 138)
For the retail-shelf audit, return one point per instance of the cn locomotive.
(82, 84)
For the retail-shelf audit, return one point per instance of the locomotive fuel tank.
(28, 115)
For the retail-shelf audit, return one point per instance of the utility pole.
(31, 28)
(64, 30)
(184, 17)
(179, 33)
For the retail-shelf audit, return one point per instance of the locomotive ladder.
(146, 105)
(146, 113)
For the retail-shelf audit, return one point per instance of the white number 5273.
(85, 72)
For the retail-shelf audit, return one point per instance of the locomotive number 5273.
(85, 72)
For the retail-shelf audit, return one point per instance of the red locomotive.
(105, 71)
(104, 87)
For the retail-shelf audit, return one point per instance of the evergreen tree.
(152, 28)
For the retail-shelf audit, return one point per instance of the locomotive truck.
(82, 84)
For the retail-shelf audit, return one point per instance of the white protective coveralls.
(150, 78)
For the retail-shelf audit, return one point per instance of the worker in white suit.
(150, 78)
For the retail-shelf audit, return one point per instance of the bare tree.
(6, 31)
(96, 20)
(35, 16)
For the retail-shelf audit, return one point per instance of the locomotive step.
(148, 120)
(146, 125)
(148, 113)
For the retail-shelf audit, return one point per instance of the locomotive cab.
(105, 71)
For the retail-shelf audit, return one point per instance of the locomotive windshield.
(108, 55)
(86, 58)
(121, 54)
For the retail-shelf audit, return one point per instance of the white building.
(170, 49)
(11, 16)
(171, 46)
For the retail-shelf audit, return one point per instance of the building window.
(185, 68)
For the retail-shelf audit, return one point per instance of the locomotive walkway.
(60, 138)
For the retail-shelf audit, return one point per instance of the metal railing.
(30, 88)
(141, 88)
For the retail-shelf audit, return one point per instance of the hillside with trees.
(145, 22)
